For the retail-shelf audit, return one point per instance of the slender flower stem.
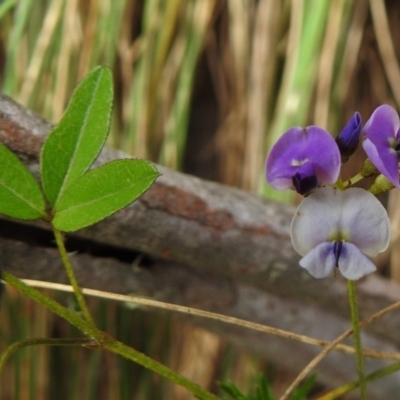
(40, 341)
(351, 287)
(71, 276)
(102, 340)
(353, 180)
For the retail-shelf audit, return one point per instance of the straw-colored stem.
(316, 360)
(231, 320)
(313, 363)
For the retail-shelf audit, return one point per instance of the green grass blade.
(6, 6)
(301, 392)
(198, 19)
(139, 117)
(21, 16)
(198, 16)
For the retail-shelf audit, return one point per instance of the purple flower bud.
(348, 138)
(303, 159)
(381, 142)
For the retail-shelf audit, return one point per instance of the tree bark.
(208, 246)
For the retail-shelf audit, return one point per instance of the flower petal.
(324, 155)
(380, 135)
(385, 160)
(284, 159)
(382, 125)
(354, 215)
(305, 179)
(366, 221)
(320, 261)
(299, 146)
(353, 264)
(317, 216)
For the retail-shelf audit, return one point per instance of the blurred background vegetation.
(202, 86)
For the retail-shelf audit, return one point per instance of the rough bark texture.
(208, 246)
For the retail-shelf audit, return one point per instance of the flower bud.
(348, 138)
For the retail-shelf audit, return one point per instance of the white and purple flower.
(334, 229)
(382, 142)
(303, 159)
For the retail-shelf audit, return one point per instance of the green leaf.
(102, 192)
(232, 390)
(263, 390)
(76, 141)
(20, 194)
(301, 392)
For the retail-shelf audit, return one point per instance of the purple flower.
(382, 142)
(303, 159)
(334, 229)
(348, 138)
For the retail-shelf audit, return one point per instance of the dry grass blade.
(35, 66)
(260, 89)
(386, 47)
(71, 34)
(224, 318)
(326, 66)
(313, 363)
(239, 31)
(316, 360)
(348, 62)
(235, 53)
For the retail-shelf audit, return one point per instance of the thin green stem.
(381, 373)
(353, 180)
(102, 340)
(134, 355)
(10, 350)
(72, 317)
(72, 278)
(351, 287)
